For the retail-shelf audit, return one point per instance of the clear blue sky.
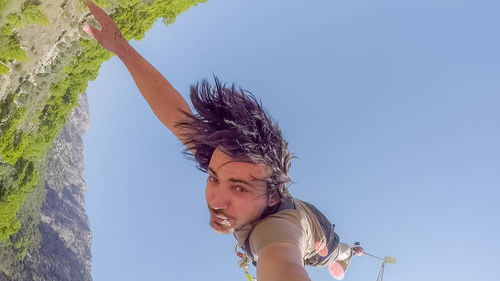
(392, 108)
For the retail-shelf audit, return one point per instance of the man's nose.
(220, 199)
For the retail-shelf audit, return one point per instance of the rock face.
(66, 236)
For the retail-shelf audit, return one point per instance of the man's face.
(236, 192)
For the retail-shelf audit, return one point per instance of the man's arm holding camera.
(281, 262)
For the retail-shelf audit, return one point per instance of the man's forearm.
(283, 272)
(281, 262)
(164, 100)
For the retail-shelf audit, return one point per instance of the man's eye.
(240, 189)
(212, 179)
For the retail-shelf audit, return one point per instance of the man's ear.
(273, 198)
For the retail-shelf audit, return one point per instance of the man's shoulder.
(291, 211)
(284, 226)
(287, 215)
(287, 212)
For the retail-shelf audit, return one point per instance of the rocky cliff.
(65, 233)
(46, 62)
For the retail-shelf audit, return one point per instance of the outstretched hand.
(109, 36)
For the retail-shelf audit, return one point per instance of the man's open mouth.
(221, 219)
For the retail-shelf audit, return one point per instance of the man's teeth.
(224, 220)
(221, 217)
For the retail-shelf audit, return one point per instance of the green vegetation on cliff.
(32, 14)
(32, 115)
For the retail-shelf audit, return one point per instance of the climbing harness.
(243, 263)
(390, 260)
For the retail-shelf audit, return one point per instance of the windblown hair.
(234, 121)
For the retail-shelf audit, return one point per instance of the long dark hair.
(232, 120)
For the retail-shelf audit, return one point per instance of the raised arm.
(163, 99)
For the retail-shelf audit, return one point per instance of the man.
(247, 160)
